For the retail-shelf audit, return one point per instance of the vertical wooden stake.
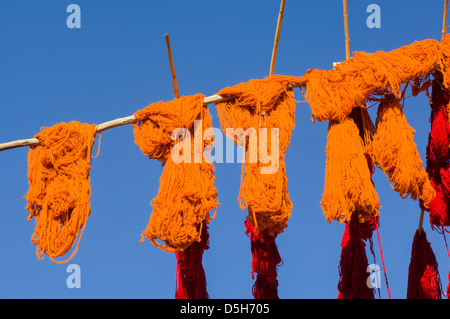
(277, 37)
(347, 39)
(172, 68)
(444, 22)
(421, 221)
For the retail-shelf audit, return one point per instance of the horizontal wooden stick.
(19, 143)
(123, 121)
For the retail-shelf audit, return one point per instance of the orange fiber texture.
(259, 106)
(59, 193)
(394, 150)
(348, 184)
(333, 94)
(187, 193)
(156, 122)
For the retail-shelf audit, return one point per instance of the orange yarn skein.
(156, 122)
(348, 185)
(187, 193)
(256, 104)
(333, 94)
(394, 149)
(59, 193)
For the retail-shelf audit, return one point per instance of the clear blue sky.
(115, 64)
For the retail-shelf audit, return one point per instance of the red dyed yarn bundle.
(191, 279)
(438, 155)
(265, 261)
(423, 277)
(353, 264)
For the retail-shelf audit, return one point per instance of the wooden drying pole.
(207, 100)
(347, 39)
(277, 37)
(421, 221)
(125, 120)
(172, 67)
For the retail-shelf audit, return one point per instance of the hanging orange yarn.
(186, 196)
(348, 184)
(187, 193)
(265, 110)
(353, 263)
(394, 150)
(333, 94)
(59, 193)
(261, 104)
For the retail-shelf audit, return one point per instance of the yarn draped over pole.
(332, 94)
(187, 193)
(59, 167)
(423, 276)
(181, 209)
(258, 105)
(59, 193)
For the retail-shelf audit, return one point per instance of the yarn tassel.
(191, 279)
(353, 264)
(265, 261)
(423, 277)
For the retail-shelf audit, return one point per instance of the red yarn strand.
(382, 261)
(191, 279)
(353, 263)
(265, 262)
